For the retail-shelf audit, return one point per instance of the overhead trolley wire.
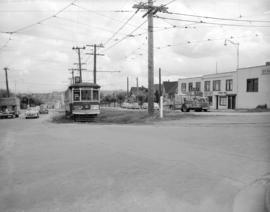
(211, 23)
(125, 37)
(121, 27)
(202, 41)
(219, 18)
(42, 20)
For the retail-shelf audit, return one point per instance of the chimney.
(267, 63)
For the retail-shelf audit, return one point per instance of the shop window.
(223, 101)
(183, 86)
(198, 86)
(76, 95)
(252, 85)
(229, 85)
(207, 86)
(216, 85)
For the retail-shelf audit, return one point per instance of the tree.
(121, 97)
(142, 98)
(157, 96)
(3, 93)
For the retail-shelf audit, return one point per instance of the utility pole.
(160, 89)
(79, 57)
(95, 46)
(72, 73)
(160, 96)
(6, 69)
(137, 83)
(127, 87)
(151, 10)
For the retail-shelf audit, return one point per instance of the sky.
(37, 36)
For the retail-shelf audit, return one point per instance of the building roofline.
(190, 78)
(252, 67)
(206, 75)
(229, 72)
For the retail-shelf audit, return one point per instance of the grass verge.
(109, 116)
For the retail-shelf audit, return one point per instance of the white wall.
(187, 81)
(253, 99)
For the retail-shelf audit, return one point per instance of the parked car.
(145, 106)
(32, 113)
(125, 105)
(43, 111)
(9, 107)
(135, 105)
(8, 114)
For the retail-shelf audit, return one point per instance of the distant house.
(170, 89)
(137, 92)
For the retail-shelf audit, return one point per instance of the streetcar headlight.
(86, 106)
(94, 107)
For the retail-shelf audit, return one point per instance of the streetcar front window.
(86, 95)
(76, 95)
(95, 95)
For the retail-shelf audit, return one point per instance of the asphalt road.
(195, 164)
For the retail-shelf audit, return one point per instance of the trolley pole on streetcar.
(151, 10)
(95, 46)
(72, 73)
(79, 58)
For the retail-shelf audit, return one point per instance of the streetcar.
(82, 101)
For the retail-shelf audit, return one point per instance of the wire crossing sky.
(36, 40)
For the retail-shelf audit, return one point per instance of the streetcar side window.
(95, 95)
(76, 95)
(86, 95)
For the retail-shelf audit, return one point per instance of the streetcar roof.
(84, 85)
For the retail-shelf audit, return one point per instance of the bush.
(262, 106)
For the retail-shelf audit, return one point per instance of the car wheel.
(184, 108)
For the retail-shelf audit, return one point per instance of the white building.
(244, 88)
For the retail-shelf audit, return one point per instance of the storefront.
(244, 88)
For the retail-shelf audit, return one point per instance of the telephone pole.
(127, 87)
(79, 58)
(151, 10)
(160, 89)
(6, 69)
(137, 83)
(95, 46)
(72, 74)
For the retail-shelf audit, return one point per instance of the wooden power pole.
(6, 73)
(95, 46)
(160, 89)
(127, 87)
(151, 10)
(79, 58)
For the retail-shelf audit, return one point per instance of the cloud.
(48, 46)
